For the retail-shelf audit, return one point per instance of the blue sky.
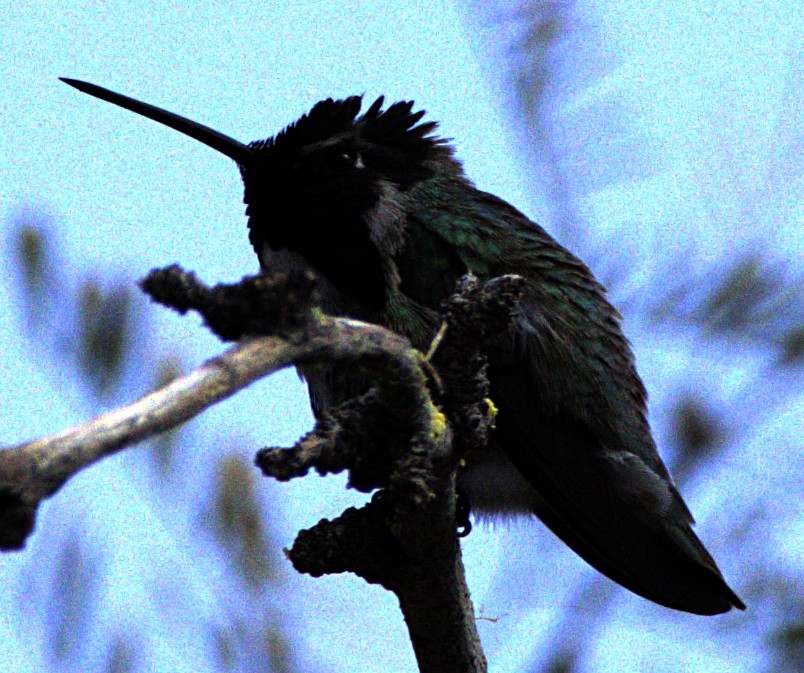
(681, 122)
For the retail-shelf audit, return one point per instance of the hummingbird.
(380, 208)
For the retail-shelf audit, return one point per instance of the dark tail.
(624, 520)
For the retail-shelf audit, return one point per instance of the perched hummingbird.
(379, 207)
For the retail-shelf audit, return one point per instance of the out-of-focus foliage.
(751, 302)
(96, 321)
(33, 253)
(72, 596)
(542, 27)
(699, 434)
(34, 257)
(249, 634)
(250, 637)
(254, 643)
(788, 646)
(277, 645)
(104, 336)
(792, 346)
(236, 519)
(564, 662)
(122, 657)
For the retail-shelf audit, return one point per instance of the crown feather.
(327, 118)
(394, 127)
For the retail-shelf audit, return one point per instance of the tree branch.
(32, 472)
(393, 438)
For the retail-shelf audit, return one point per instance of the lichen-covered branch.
(35, 470)
(405, 436)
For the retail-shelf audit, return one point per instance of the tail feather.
(612, 506)
(578, 496)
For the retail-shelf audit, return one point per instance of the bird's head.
(330, 186)
(328, 189)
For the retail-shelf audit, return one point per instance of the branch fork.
(403, 438)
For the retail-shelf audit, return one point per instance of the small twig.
(256, 305)
(436, 342)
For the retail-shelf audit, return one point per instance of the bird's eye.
(351, 160)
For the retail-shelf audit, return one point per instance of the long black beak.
(234, 149)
